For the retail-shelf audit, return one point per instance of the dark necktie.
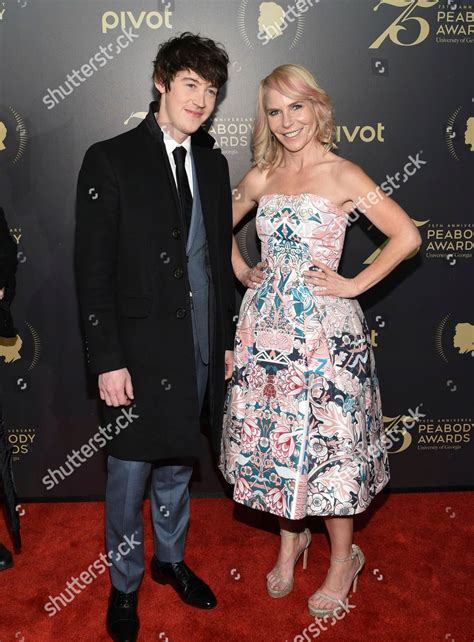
(185, 196)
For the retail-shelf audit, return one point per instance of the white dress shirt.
(170, 145)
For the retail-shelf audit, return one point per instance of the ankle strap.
(352, 556)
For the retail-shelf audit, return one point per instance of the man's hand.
(229, 364)
(116, 388)
(2, 293)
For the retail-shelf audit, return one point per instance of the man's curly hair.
(191, 51)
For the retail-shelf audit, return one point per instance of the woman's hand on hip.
(326, 282)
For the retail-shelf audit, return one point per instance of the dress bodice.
(295, 229)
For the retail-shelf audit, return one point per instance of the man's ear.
(159, 86)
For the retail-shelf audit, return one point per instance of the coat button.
(178, 273)
(176, 233)
(180, 313)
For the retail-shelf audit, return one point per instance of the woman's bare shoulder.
(344, 169)
(254, 183)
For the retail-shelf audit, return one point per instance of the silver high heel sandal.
(341, 606)
(287, 585)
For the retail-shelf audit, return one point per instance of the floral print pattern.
(303, 425)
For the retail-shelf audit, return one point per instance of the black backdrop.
(400, 76)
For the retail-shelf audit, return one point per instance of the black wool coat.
(8, 259)
(133, 287)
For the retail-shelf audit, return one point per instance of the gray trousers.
(169, 495)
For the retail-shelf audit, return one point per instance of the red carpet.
(417, 582)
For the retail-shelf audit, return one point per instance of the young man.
(156, 288)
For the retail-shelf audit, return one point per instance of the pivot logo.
(152, 19)
(365, 133)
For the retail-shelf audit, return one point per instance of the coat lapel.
(204, 166)
(154, 134)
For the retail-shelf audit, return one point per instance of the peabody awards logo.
(459, 134)
(455, 23)
(135, 19)
(263, 23)
(18, 356)
(454, 337)
(21, 441)
(427, 434)
(451, 22)
(398, 431)
(443, 434)
(231, 134)
(449, 241)
(13, 136)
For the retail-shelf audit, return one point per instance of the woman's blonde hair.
(294, 81)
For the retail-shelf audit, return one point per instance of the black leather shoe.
(189, 586)
(6, 559)
(122, 618)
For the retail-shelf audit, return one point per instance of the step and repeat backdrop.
(400, 75)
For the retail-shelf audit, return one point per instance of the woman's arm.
(244, 198)
(388, 217)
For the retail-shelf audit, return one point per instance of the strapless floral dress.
(303, 429)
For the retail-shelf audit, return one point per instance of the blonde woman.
(303, 428)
